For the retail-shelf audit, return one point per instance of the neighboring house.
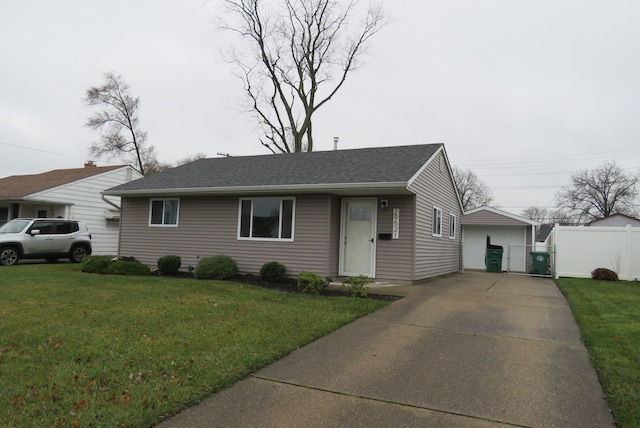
(543, 232)
(388, 213)
(70, 194)
(615, 220)
(504, 229)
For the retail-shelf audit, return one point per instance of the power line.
(42, 151)
(625, 155)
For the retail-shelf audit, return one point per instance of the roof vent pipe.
(335, 143)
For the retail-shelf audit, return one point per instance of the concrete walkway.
(473, 350)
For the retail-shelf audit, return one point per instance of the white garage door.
(474, 243)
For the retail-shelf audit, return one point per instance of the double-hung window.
(266, 219)
(437, 222)
(164, 212)
(452, 226)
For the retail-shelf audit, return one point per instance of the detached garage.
(514, 233)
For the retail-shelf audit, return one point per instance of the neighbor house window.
(437, 222)
(452, 226)
(164, 212)
(266, 219)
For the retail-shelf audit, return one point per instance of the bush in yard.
(357, 285)
(220, 266)
(604, 274)
(169, 265)
(127, 267)
(273, 272)
(311, 282)
(96, 264)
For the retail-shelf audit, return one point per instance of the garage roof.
(494, 217)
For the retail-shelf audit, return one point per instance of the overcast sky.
(522, 92)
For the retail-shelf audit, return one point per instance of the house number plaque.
(396, 223)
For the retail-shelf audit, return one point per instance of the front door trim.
(343, 221)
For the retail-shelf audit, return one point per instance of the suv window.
(66, 227)
(55, 227)
(45, 227)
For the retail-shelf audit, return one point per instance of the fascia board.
(302, 188)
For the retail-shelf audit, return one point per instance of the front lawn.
(80, 349)
(608, 314)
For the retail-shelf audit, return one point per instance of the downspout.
(110, 203)
(119, 228)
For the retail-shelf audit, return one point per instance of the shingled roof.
(20, 186)
(385, 167)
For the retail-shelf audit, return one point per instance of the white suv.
(43, 238)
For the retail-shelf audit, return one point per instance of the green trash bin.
(493, 260)
(539, 262)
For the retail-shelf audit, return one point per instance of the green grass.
(608, 314)
(81, 349)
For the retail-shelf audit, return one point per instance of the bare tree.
(544, 215)
(473, 192)
(536, 213)
(600, 192)
(560, 216)
(117, 120)
(293, 53)
(153, 165)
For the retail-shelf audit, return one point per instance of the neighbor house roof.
(20, 186)
(595, 222)
(389, 168)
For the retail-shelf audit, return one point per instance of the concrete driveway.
(477, 350)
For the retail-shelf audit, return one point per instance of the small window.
(266, 219)
(437, 222)
(452, 226)
(164, 212)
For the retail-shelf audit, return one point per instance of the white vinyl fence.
(579, 250)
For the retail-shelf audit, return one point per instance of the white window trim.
(249, 238)
(435, 216)
(453, 223)
(163, 200)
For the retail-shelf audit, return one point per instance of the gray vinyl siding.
(435, 255)
(333, 256)
(488, 218)
(529, 243)
(394, 258)
(208, 226)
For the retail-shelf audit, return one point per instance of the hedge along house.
(388, 213)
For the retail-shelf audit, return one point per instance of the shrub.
(169, 265)
(96, 264)
(604, 274)
(357, 285)
(273, 272)
(216, 267)
(126, 267)
(311, 282)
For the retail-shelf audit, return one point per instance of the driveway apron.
(477, 350)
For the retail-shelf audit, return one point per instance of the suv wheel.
(78, 253)
(9, 256)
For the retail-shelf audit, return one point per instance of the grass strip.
(80, 349)
(608, 314)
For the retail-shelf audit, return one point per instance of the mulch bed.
(289, 285)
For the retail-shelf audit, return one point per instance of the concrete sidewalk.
(477, 350)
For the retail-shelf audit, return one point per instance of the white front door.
(358, 250)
